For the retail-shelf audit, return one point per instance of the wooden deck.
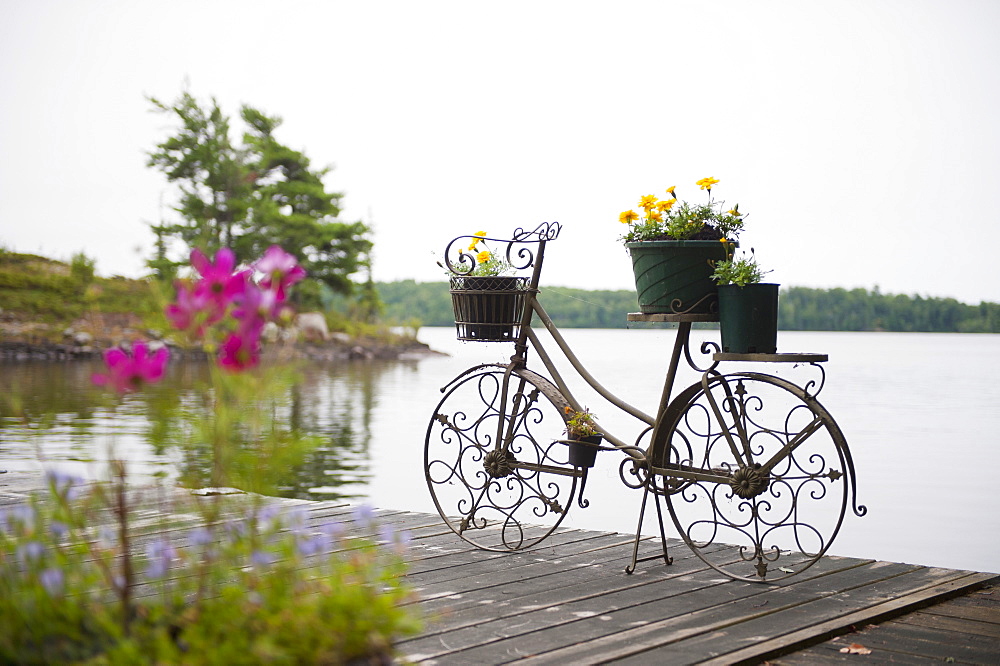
(569, 601)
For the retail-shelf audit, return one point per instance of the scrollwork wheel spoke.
(493, 466)
(778, 496)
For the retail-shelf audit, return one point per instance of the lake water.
(921, 413)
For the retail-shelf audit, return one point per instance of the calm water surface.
(920, 412)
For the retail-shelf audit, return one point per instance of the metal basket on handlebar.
(488, 309)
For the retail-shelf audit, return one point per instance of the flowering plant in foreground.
(259, 585)
(249, 585)
(668, 219)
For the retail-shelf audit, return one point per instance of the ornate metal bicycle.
(754, 471)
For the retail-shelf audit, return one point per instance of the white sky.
(862, 137)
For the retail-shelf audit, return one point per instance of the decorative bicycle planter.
(755, 473)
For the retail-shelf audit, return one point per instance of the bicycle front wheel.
(496, 473)
(756, 474)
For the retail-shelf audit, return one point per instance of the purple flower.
(107, 536)
(59, 529)
(52, 580)
(399, 541)
(129, 373)
(199, 537)
(318, 543)
(261, 558)
(236, 530)
(64, 484)
(29, 552)
(386, 533)
(296, 517)
(364, 515)
(160, 555)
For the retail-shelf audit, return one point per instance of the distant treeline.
(800, 309)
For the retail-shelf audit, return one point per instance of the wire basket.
(488, 309)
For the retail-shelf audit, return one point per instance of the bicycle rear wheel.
(756, 474)
(496, 474)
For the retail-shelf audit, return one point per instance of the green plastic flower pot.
(748, 318)
(674, 277)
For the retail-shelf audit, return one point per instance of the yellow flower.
(647, 201)
(483, 257)
(568, 409)
(476, 238)
(670, 190)
(654, 216)
(628, 217)
(706, 183)
(734, 211)
(664, 206)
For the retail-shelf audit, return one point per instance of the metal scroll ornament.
(764, 475)
(493, 466)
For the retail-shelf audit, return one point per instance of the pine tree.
(251, 195)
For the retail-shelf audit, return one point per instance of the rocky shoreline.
(349, 349)
(88, 339)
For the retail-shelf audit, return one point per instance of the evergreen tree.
(249, 196)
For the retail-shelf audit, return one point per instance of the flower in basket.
(670, 219)
(739, 271)
(478, 260)
(580, 424)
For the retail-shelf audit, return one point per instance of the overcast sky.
(861, 137)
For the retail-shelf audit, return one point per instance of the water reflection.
(51, 411)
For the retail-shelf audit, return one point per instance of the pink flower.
(240, 350)
(254, 303)
(281, 270)
(129, 372)
(218, 283)
(183, 314)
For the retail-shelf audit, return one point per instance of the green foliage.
(580, 424)
(48, 290)
(430, 303)
(805, 309)
(799, 308)
(256, 587)
(251, 195)
(741, 272)
(81, 268)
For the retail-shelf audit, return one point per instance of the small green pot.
(675, 276)
(748, 318)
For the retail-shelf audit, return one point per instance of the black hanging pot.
(488, 309)
(583, 450)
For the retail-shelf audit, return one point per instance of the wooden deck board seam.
(643, 639)
(808, 636)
